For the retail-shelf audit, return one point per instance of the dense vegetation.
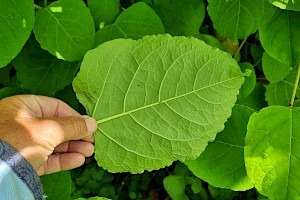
(194, 99)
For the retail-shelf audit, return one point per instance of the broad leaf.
(280, 37)
(66, 29)
(180, 17)
(274, 70)
(250, 80)
(157, 100)
(272, 152)
(280, 93)
(68, 95)
(135, 22)
(238, 19)
(210, 40)
(16, 23)
(41, 73)
(222, 163)
(57, 186)
(93, 198)
(286, 4)
(104, 12)
(255, 100)
(257, 54)
(7, 77)
(10, 91)
(176, 184)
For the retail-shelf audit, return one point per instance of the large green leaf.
(135, 22)
(286, 4)
(238, 19)
(157, 100)
(41, 73)
(104, 11)
(222, 163)
(280, 93)
(272, 152)
(250, 80)
(280, 37)
(176, 184)
(66, 29)
(274, 70)
(16, 23)
(57, 186)
(180, 17)
(10, 91)
(256, 99)
(93, 198)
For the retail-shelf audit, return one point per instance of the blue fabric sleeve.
(18, 179)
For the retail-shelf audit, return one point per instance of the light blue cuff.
(11, 186)
(18, 179)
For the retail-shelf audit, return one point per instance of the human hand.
(48, 133)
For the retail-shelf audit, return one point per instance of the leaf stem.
(38, 7)
(259, 61)
(240, 47)
(295, 87)
(45, 3)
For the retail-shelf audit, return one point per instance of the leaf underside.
(157, 100)
(222, 163)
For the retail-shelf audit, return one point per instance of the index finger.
(47, 106)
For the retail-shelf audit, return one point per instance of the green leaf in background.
(66, 29)
(218, 193)
(280, 93)
(180, 17)
(7, 76)
(238, 19)
(157, 99)
(93, 198)
(104, 12)
(176, 184)
(272, 152)
(210, 40)
(257, 54)
(10, 91)
(16, 23)
(286, 4)
(250, 80)
(40, 72)
(274, 70)
(57, 186)
(280, 37)
(68, 96)
(256, 99)
(222, 162)
(135, 22)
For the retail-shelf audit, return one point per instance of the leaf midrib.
(159, 102)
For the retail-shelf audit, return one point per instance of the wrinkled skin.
(47, 132)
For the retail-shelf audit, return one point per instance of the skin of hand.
(47, 132)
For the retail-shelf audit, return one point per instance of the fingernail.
(91, 123)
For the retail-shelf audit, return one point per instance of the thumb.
(77, 127)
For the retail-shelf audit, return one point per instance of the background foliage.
(43, 43)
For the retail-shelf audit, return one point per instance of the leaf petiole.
(38, 7)
(240, 47)
(295, 87)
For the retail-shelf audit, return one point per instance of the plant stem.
(240, 47)
(38, 7)
(295, 87)
(45, 3)
(259, 61)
